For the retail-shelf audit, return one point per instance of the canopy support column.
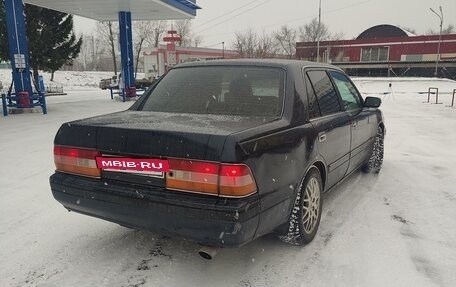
(126, 54)
(17, 43)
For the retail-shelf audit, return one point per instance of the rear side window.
(314, 110)
(219, 90)
(326, 94)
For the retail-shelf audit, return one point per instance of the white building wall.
(155, 64)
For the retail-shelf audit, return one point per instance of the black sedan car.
(222, 152)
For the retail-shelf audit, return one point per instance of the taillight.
(78, 161)
(236, 180)
(195, 176)
(230, 180)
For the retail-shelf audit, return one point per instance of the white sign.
(19, 61)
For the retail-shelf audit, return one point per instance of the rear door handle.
(321, 137)
(355, 124)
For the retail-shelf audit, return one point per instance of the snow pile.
(67, 79)
(76, 80)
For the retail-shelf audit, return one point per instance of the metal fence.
(54, 89)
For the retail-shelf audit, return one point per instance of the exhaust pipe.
(208, 252)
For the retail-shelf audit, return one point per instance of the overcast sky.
(218, 20)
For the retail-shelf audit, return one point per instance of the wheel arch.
(288, 231)
(320, 166)
(382, 126)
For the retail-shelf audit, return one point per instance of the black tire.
(305, 217)
(374, 164)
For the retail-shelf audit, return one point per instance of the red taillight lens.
(78, 161)
(230, 180)
(194, 166)
(195, 176)
(236, 180)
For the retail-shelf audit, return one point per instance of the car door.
(331, 124)
(360, 120)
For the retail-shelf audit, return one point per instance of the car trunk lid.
(133, 134)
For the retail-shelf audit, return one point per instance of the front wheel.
(305, 216)
(376, 159)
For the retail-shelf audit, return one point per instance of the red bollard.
(130, 91)
(23, 100)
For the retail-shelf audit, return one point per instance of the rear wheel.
(305, 216)
(376, 159)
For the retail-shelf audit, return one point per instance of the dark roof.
(382, 31)
(283, 63)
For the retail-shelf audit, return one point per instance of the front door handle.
(321, 137)
(355, 124)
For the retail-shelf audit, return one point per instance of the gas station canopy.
(108, 10)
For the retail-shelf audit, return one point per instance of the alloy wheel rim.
(311, 205)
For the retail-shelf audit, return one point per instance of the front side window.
(219, 90)
(347, 92)
(328, 101)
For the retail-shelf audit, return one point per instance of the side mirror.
(372, 102)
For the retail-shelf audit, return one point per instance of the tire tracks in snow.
(337, 207)
(409, 229)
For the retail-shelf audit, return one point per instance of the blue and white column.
(18, 50)
(126, 53)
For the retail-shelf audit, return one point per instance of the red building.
(386, 50)
(159, 59)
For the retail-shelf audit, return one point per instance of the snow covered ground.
(397, 228)
(69, 80)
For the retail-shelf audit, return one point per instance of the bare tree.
(266, 46)
(85, 54)
(183, 28)
(312, 31)
(188, 38)
(251, 45)
(141, 29)
(97, 52)
(246, 43)
(108, 33)
(450, 29)
(337, 36)
(90, 54)
(286, 38)
(197, 40)
(157, 29)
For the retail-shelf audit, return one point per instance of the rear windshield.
(219, 90)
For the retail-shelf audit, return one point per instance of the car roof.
(283, 63)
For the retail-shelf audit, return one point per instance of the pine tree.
(51, 40)
(3, 34)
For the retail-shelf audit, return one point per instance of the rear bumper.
(205, 219)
